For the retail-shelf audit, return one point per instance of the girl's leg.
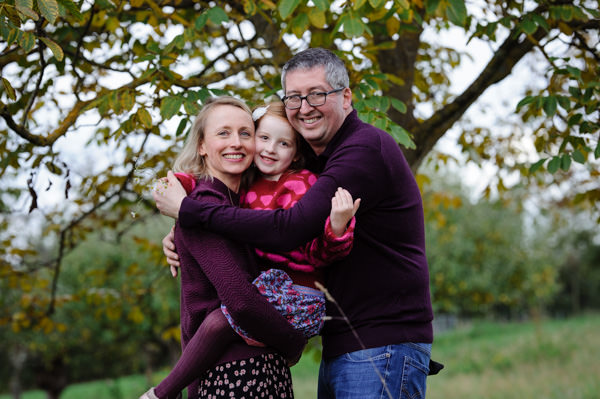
(208, 343)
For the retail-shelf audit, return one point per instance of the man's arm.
(284, 230)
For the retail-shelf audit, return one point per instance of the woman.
(216, 270)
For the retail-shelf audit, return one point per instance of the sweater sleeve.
(220, 261)
(329, 248)
(359, 170)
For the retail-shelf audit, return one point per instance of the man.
(379, 344)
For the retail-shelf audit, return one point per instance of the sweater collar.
(343, 132)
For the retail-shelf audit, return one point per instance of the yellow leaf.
(392, 25)
(55, 48)
(144, 118)
(317, 18)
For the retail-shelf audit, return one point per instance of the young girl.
(290, 287)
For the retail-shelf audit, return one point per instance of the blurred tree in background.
(97, 96)
(117, 312)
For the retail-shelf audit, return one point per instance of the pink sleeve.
(328, 247)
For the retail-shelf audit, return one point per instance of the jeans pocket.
(368, 355)
(414, 379)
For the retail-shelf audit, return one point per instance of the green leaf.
(191, 106)
(55, 48)
(597, 151)
(457, 12)
(181, 127)
(10, 92)
(71, 7)
(170, 106)
(200, 22)
(26, 40)
(402, 136)
(217, 15)
(537, 165)
(549, 105)
(353, 26)
(525, 101)
(287, 7)
(574, 119)
(564, 102)
(554, 164)
(578, 157)
(300, 24)
(431, 6)
(358, 4)
(377, 3)
(399, 105)
(144, 117)
(565, 162)
(528, 26)
(322, 5)
(49, 9)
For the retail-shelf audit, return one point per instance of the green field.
(550, 359)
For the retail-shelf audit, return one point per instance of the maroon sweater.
(216, 270)
(383, 284)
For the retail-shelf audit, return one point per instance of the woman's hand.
(168, 195)
(169, 251)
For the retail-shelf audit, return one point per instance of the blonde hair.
(189, 160)
(277, 109)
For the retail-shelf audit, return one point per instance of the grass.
(550, 359)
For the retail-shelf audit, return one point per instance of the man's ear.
(347, 93)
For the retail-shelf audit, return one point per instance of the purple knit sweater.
(216, 270)
(383, 284)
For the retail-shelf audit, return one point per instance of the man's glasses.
(313, 99)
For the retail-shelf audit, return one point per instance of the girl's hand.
(342, 210)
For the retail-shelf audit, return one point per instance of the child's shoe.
(149, 395)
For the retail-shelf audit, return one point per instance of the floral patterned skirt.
(264, 376)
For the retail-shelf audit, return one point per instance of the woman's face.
(276, 146)
(228, 144)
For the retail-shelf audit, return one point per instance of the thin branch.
(43, 64)
(64, 232)
(68, 121)
(256, 68)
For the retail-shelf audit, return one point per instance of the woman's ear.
(201, 149)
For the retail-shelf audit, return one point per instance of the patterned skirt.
(303, 307)
(264, 376)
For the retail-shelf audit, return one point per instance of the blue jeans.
(402, 374)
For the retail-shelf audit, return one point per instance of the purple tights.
(202, 351)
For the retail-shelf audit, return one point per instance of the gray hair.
(336, 73)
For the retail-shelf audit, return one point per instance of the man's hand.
(169, 251)
(342, 210)
(168, 195)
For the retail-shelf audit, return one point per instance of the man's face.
(318, 124)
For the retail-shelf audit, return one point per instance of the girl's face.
(275, 146)
(228, 144)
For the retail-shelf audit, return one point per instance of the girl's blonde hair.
(277, 109)
(189, 160)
